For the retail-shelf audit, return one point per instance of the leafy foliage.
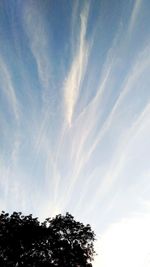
(59, 241)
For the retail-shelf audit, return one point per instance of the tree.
(59, 241)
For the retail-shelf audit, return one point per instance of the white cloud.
(134, 15)
(85, 124)
(8, 88)
(75, 76)
(142, 63)
(120, 155)
(88, 119)
(36, 31)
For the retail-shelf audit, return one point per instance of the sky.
(75, 118)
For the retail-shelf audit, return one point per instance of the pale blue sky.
(75, 118)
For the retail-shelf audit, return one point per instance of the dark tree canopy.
(59, 241)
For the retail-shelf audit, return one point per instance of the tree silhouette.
(59, 241)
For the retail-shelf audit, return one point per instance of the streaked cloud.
(78, 139)
(121, 155)
(8, 88)
(37, 33)
(73, 83)
(134, 14)
(138, 68)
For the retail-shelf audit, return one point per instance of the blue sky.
(75, 118)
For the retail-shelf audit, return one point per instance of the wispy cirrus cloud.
(9, 155)
(83, 150)
(9, 182)
(85, 124)
(121, 154)
(8, 88)
(134, 15)
(73, 83)
(77, 161)
(109, 177)
(137, 70)
(107, 76)
(94, 107)
(37, 33)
